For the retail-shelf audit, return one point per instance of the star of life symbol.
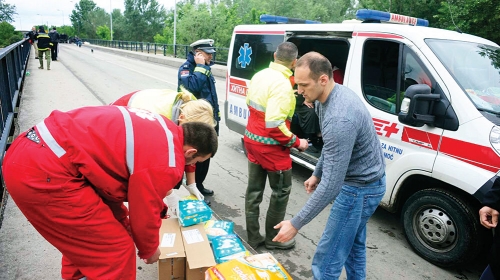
(143, 114)
(245, 52)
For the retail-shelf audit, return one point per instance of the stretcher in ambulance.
(434, 97)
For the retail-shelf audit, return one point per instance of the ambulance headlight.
(495, 138)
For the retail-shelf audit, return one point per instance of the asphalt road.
(82, 78)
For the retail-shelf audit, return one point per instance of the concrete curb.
(217, 70)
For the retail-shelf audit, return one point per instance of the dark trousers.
(53, 50)
(201, 173)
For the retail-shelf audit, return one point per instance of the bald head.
(317, 64)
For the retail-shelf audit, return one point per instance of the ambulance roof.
(413, 33)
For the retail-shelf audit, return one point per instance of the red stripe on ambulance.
(377, 35)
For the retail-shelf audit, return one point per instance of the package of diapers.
(218, 228)
(228, 247)
(261, 266)
(192, 212)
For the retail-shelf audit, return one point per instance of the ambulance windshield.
(475, 67)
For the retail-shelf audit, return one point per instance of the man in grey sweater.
(350, 172)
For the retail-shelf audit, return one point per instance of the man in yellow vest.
(268, 140)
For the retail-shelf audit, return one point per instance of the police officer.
(196, 76)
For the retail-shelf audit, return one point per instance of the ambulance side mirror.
(417, 106)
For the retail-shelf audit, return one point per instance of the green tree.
(80, 16)
(479, 17)
(8, 35)
(143, 19)
(119, 28)
(103, 32)
(7, 11)
(66, 29)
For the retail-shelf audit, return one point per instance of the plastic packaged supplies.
(261, 266)
(192, 212)
(228, 247)
(218, 228)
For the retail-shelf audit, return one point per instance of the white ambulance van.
(434, 96)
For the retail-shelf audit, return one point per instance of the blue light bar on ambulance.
(374, 15)
(278, 19)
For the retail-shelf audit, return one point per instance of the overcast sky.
(57, 12)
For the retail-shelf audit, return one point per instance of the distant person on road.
(196, 76)
(350, 172)
(44, 46)
(71, 174)
(488, 216)
(54, 38)
(268, 140)
(180, 107)
(33, 40)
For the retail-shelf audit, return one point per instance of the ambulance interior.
(305, 123)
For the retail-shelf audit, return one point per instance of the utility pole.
(111, 19)
(175, 22)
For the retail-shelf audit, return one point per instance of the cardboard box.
(172, 263)
(199, 256)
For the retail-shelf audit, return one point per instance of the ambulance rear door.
(250, 52)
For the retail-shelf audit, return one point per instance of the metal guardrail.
(13, 64)
(179, 51)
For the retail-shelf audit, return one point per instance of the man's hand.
(303, 145)
(309, 104)
(199, 58)
(194, 191)
(488, 217)
(311, 184)
(287, 232)
(172, 201)
(154, 258)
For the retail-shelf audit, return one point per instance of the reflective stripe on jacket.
(126, 154)
(165, 102)
(198, 79)
(271, 102)
(44, 42)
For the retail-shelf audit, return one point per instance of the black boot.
(281, 184)
(253, 197)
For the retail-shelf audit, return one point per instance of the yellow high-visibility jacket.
(271, 102)
(165, 102)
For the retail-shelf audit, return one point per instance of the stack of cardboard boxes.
(185, 251)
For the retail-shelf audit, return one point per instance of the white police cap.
(206, 45)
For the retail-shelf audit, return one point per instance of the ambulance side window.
(252, 53)
(379, 74)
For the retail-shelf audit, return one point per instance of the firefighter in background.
(71, 173)
(196, 76)
(44, 46)
(180, 107)
(268, 140)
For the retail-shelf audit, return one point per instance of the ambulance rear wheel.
(441, 227)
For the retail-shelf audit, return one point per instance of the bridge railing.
(179, 51)
(13, 64)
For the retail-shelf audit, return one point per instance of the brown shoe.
(48, 68)
(40, 67)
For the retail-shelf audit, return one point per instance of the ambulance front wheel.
(442, 228)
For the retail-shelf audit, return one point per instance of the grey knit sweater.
(351, 154)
